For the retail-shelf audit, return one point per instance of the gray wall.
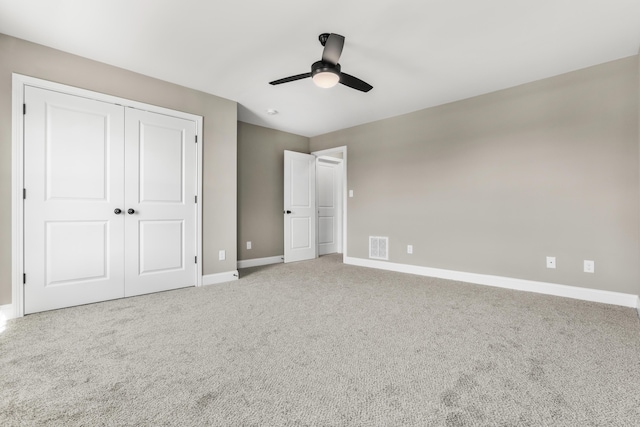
(261, 188)
(495, 183)
(219, 139)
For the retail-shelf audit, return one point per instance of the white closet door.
(160, 176)
(329, 195)
(73, 150)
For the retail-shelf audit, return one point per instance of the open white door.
(299, 206)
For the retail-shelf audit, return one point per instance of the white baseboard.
(6, 312)
(586, 294)
(214, 279)
(256, 262)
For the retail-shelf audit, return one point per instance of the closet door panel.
(73, 174)
(160, 176)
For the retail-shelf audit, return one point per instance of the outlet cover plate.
(222, 255)
(589, 266)
(551, 262)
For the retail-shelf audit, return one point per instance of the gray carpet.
(319, 343)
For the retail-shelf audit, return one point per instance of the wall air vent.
(378, 247)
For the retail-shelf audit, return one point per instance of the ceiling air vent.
(378, 247)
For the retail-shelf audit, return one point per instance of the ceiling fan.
(326, 72)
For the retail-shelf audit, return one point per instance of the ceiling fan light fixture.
(326, 79)
(325, 75)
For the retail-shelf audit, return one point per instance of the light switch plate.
(350, 193)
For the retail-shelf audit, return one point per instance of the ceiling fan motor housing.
(324, 67)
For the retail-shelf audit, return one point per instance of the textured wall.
(261, 188)
(219, 139)
(495, 183)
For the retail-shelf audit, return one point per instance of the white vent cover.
(379, 247)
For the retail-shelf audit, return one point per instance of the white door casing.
(160, 177)
(73, 172)
(329, 199)
(299, 206)
(70, 158)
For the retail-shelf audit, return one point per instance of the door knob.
(287, 212)
(131, 211)
(117, 211)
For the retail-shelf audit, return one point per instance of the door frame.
(19, 82)
(328, 152)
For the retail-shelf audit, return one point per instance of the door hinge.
(196, 139)
(24, 109)
(196, 199)
(24, 278)
(24, 193)
(196, 260)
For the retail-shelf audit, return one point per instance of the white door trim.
(340, 150)
(19, 81)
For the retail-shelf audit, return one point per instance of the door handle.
(117, 211)
(131, 211)
(287, 212)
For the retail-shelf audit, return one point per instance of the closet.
(110, 200)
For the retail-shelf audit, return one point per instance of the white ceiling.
(415, 53)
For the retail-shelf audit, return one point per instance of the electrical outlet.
(409, 249)
(551, 262)
(350, 193)
(222, 255)
(589, 266)
(248, 245)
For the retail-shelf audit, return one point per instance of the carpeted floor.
(320, 343)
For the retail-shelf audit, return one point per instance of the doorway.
(302, 239)
(339, 153)
(329, 200)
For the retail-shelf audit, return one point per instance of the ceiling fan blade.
(290, 79)
(354, 82)
(333, 49)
